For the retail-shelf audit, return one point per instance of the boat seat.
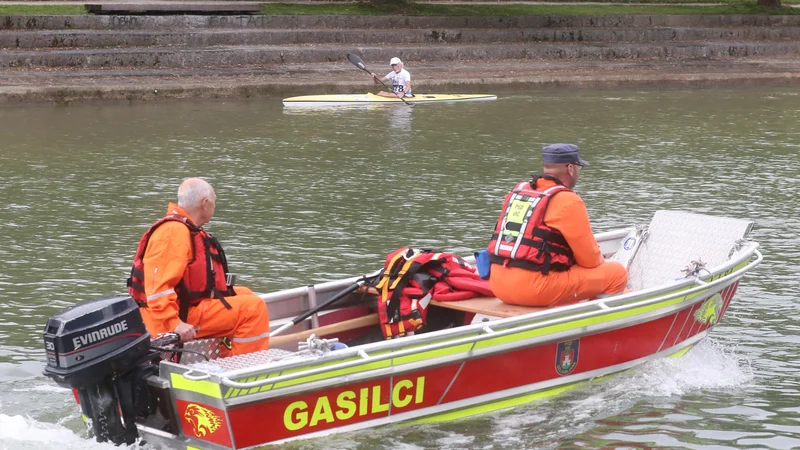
(490, 306)
(326, 330)
(673, 241)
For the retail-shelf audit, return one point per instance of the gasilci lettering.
(98, 335)
(348, 404)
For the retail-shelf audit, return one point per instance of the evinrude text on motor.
(102, 350)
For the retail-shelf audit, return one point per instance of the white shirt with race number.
(399, 79)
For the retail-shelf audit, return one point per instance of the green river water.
(312, 195)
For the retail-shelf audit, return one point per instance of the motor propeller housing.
(101, 349)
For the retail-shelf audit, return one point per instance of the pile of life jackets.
(412, 278)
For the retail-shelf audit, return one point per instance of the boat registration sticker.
(567, 356)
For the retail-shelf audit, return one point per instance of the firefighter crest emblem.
(203, 420)
(567, 356)
(708, 312)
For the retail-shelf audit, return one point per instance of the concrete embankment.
(74, 58)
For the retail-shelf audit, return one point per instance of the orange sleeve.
(567, 213)
(168, 253)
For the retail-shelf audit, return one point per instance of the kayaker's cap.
(394, 61)
(562, 153)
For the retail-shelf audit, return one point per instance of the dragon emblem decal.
(708, 312)
(203, 420)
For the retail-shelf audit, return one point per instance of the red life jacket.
(522, 239)
(412, 278)
(204, 276)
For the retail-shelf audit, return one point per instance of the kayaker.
(401, 80)
(543, 251)
(179, 278)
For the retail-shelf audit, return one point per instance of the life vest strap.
(523, 264)
(555, 238)
(410, 268)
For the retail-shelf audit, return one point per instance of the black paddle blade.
(358, 62)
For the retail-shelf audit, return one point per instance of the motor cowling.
(101, 348)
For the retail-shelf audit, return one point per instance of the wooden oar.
(360, 64)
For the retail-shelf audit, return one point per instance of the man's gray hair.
(192, 192)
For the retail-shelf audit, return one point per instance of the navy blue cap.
(562, 153)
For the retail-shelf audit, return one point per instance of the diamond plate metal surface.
(209, 347)
(676, 238)
(247, 360)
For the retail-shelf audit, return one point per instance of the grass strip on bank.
(576, 9)
(43, 10)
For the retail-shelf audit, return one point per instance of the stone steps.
(69, 58)
(125, 85)
(64, 39)
(176, 57)
(189, 22)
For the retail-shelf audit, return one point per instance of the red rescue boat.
(684, 270)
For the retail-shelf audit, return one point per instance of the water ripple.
(307, 196)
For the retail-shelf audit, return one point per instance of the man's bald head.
(192, 192)
(197, 197)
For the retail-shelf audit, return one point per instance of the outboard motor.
(101, 349)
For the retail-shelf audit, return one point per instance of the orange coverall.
(591, 275)
(168, 253)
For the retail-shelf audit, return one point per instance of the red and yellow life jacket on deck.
(204, 276)
(414, 277)
(522, 239)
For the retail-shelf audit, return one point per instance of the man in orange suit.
(180, 278)
(543, 250)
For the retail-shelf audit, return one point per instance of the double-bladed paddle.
(358, 62)
(360, 282)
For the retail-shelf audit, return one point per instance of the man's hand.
(375, 78)
(185, 331)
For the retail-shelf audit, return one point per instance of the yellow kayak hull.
(369, 98)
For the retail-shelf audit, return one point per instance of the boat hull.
(683, 269)
(371, 99)
(443, 375)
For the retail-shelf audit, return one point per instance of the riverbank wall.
(66, 59)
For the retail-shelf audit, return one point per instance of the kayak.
(369, 98)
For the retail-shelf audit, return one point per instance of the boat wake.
(641, 392)
(23, 433)
(709, 365)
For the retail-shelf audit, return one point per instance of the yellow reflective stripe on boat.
(604, 318)
(334, 373)
(233, 392)
(447, 351)
(431, 354)
(493, 406)
(681, 352)
(200, 386)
